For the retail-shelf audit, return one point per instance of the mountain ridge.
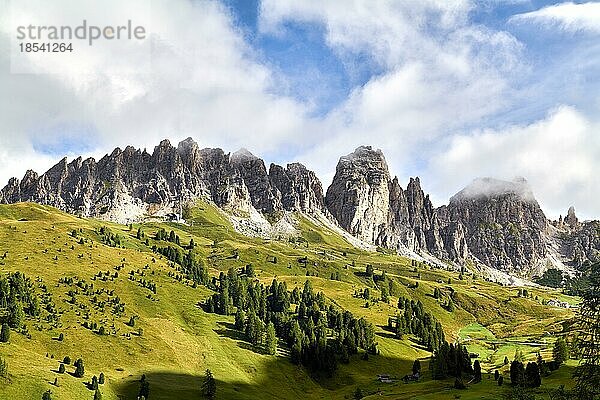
(492, 224)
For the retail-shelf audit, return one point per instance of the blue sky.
(449, 90)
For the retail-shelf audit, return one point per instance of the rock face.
(491, 222)
(370, 205)
(129, 183)
(505, 226)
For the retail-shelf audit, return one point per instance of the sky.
(449, 90)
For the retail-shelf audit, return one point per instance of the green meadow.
(173, 340)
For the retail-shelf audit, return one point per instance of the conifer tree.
(587, 374)
(271, 339)
(477, 371)
(5, 333)
(560, 351)
(79, 368)
(209, 386)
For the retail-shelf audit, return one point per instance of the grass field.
(179, 341)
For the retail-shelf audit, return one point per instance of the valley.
(173, 340)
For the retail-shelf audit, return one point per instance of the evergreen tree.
(144, 387)
(416, 368)
(496, 375)
(61, 369)
(94, 383)
(5, 333)
(506, 360)
(587, 374)
(532, 375)
(517, 373)
(385, 297)
(271, 339)
(47, 395)
(101, 378)
(16, 315)
(477, 371)
(240, 319)
(209, 386)
(3, 368)
(97, 394)
(560, 351)
(79, 368)
(500, 380)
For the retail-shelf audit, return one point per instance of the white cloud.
(567, 16)
(559, 155)
(440, 72)
(202, 81)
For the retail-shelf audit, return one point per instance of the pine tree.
(384, 293)
(5, 333)
(79, 368)
(240, 319)
(144, 387)
(532, 375)
(97, 394)
(560, 351)
(271, 339)
(517, 373)
(61, 369)
(587, 374)
(94, 382)
(496, 375)
(3, 368)
(477, 371)
(101, 378)
(16, 315)
(209, 387)
(47, 395)
(416, 368)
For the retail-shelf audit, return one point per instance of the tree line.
(318, 333)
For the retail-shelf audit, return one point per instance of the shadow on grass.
(227, 329)
(276, 379)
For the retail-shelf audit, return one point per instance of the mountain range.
(495, 226)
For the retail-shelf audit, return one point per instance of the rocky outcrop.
(505, 226)
(370, 205)
(494, 223)
(580, 241)
(359, 196)
(297, 188)
(128, 184)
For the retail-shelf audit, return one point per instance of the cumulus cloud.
(440, 78)
(559, 155)
(439, 72)
(202, 81)
(568, 16)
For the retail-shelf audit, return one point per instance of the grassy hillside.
(173, 341)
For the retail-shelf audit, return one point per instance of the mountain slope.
(63, 255)
(491, 225)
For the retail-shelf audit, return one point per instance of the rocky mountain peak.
(242, 156)
(494, 222)
(358, 196)
(505, 226)
(571, 218)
